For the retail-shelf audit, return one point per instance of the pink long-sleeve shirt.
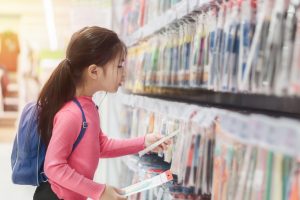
(71, 173)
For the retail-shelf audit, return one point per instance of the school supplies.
(148, 184)
(159, 142)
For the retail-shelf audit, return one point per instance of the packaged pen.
(204, 62)
(161, 59)
(283, 70)
(194, 67)
(256, 58)
(294, 88)
(167, 59)
(234, 52)
(227, 46)
(260, 63)
(212, 34)
(218, 50)
(175, 57)
(180, 59)
(186, 51)
(273, 47)
(246, 36)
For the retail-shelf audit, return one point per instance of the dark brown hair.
(90, 45)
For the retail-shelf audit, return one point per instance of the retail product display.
(234, 46)
(148, 184)
(240, 54)
(219, 153)
(137, 13)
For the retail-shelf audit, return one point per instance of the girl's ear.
(94, 71)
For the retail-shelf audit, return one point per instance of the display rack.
(288, 106)
(271, 105)
(179, 11)
(278, 106)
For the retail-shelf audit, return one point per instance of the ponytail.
(90, 45)
(59, 89)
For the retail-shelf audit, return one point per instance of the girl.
(94, 62)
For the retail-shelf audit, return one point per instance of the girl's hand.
(154, 137)
(112, 193)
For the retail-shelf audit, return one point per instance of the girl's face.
(113, 75)
(106, 78)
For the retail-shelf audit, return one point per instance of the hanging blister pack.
(175, 57)
(194, 77)
(185, 54)
(234, 55)
(246, 36)
(284, 70)
(204, 57)
(256, 58)
(294, 88)
(161, 60)
(273, 47)
(218, 49)
(211, 44)
(227, 44)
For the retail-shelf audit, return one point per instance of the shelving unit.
(261, 103)
(179, 11)
(246, 103)
(271, 105)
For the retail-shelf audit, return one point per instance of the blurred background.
(33, 38)
(203, 67)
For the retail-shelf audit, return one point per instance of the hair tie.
(68, 60)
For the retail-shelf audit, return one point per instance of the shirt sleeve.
(56, 166)
(110, 148)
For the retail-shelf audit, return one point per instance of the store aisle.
(7, 189)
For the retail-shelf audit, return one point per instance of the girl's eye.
(120, 66)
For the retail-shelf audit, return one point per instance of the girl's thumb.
(119, 191)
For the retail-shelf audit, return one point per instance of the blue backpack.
(28, 153)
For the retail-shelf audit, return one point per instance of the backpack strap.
(83, 127)
(42, 175)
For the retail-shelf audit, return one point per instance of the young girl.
(94, 62)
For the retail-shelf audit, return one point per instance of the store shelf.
(177, 12)
(271, 105)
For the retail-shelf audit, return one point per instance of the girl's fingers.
(158, 149)
(119, 197)
(163, 146)
(167, 143)
(119, 191)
